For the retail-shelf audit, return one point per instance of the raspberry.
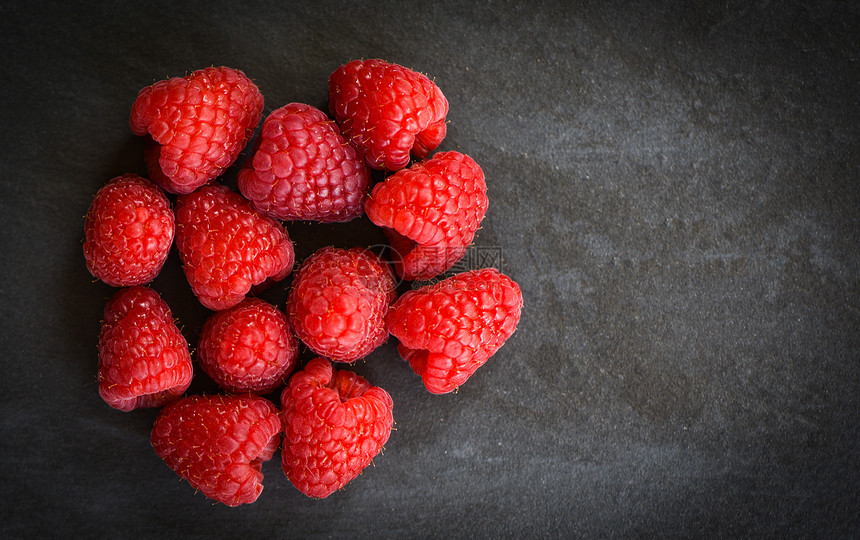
(218, 443)
(248, 348)
(338, 301)
(388, 111)
(128, 232)
(227, 247)
(143, 357)
(198, 124)
(451, 328)
(303, 169)
(335, 423)
(430, 212)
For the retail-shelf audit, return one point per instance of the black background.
(673, 185)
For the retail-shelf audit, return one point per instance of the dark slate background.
(674, 187)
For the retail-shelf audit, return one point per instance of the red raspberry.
(430, 212)
(387, 111)
(143, 357)
(449, 329)
(218, 443)
(248, 348)
(227, 247)
(198, 125)
(303, 169)
(128, 232)
(335, 423)
(338, 301)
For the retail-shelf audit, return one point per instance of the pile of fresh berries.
(342, 303)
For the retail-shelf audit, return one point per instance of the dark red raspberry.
(335, 423)
(143, 357)
(218, 443)
(227, 247)
(388, 111)
(451, 328)
(303, 169)
(248, 348)
(430, 212)
(128, 232)
(338, 301)
(198, 124)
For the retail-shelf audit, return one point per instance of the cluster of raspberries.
(342, 303)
